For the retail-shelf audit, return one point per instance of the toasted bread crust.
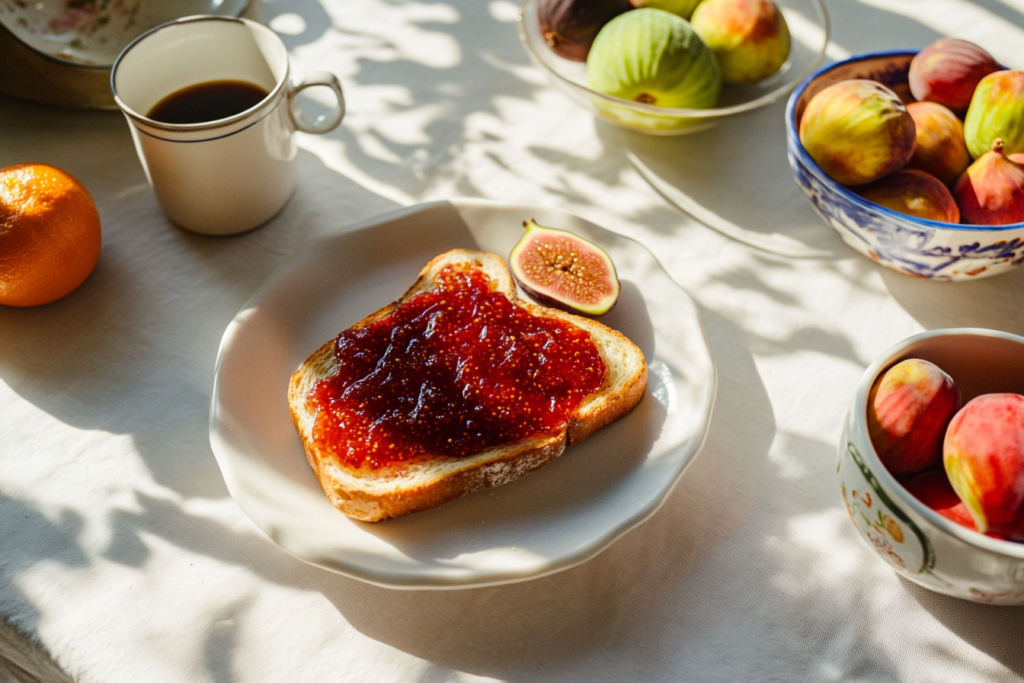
(411, 486)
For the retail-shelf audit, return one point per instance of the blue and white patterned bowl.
(915, 246)
(916, 541)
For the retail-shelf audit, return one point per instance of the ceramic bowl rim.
(971, 538)
(91, 67)
(807, 162)
(266, 104)
(672, 112)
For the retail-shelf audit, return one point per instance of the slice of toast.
(393, 490)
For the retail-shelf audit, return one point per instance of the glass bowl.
(808, 24)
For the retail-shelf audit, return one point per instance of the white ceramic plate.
(552, 519)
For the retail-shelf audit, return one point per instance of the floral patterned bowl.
(920, 544)
(915, 246)
(60, 51)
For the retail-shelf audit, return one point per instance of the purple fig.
(562, 270)
(570, 26)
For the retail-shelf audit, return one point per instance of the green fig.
(996, 111)
(683, 8)
(653, 57)
(562, 270)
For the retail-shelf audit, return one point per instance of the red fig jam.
(453, 371)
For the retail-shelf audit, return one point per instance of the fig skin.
(683, 8)
(996, 111)
(939, 147)
(570, 26)
(983, 455)
(909, 407)
(749, 38)
(948, 71)
(560, 269)
(914, 193)
(653, 57)
(932, 488)
(991, 190)
(857, 131)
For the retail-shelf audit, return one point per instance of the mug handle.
(326, 122)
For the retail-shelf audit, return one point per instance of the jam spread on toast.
(453, 371)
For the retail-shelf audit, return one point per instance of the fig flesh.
(653, 57)
(991, 190)
(562, 270)
(570, 26)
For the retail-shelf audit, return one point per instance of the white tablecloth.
(123, 557)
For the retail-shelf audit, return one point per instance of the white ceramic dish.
(551, 520)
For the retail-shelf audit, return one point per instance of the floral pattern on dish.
(880, 521)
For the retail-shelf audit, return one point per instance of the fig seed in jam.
(452, 371)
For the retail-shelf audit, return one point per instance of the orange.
(49, 234)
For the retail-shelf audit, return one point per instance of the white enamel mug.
(233, 174)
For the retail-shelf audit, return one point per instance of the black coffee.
(209, 101)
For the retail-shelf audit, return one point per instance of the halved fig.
(562, 270)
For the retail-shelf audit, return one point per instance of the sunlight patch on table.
(289, 24)
(503, 11)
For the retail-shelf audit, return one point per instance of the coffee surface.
(209, 101)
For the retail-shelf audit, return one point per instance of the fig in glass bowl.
(570, 26)
(653, 57)
(749, 38)
(807, 51)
